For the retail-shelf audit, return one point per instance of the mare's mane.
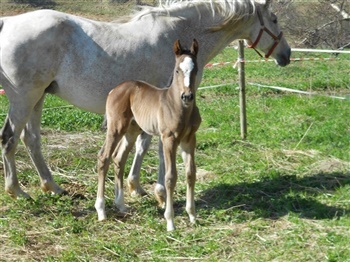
(229, 10)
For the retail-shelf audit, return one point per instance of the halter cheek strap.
(262, 30)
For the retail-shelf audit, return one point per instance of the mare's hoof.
(123, 209)
(17, 193)
(76, 196)
(160, 195)
(54, 188)
(136, 190)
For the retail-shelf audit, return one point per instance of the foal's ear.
(194, 47)
(177, 48)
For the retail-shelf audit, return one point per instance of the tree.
(322, 23)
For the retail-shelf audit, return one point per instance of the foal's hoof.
(170, 226)
(101, 215)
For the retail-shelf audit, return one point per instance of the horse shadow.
(37, 3)
(276, 197)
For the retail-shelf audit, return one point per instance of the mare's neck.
(212, 41)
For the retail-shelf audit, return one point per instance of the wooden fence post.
(242, 100)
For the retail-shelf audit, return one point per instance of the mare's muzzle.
(187, 97)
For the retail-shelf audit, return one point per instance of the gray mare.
(81, 60)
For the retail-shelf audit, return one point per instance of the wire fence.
(240, 62)
(297, 59)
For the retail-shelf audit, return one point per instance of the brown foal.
(171, 113)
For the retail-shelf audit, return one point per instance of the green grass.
(283, 194)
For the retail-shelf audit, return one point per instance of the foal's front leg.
(169, 150)
(159, 190)
(187, 152)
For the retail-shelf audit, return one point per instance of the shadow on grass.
(37, 3)
(275, 197)
(272, 198)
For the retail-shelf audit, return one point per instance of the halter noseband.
(262, 29)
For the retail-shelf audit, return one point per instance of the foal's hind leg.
(115, 132)
(32, 140)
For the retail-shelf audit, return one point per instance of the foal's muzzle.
(187, 97)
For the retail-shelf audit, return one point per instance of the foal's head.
(185, 71)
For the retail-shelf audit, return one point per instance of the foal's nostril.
(188, 97)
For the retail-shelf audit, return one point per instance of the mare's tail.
(4, 80)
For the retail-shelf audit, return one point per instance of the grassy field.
(283, 194)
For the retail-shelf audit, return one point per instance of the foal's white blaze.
(187, 66)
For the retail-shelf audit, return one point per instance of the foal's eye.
(177, 71)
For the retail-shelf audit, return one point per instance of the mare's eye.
(274, 19)
(177, 71)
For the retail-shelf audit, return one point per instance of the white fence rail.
(240, 64)
(320, 51)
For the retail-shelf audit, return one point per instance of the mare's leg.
(120, 156)
(9, 135)
(159, 190)
(115, 132)
(32, 140)
(21, 107)
(142, 145)
(169, 149)
(187, 152)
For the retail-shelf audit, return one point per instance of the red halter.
(263, 28)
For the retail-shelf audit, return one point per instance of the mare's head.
(267, 36)
(185, 71)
